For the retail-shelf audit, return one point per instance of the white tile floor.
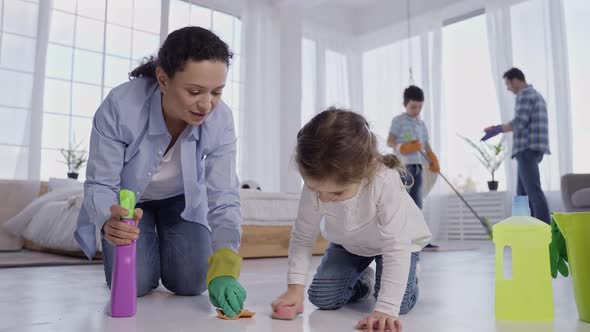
(456, 294)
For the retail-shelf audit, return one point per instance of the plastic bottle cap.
(127, 201)
(520, 206)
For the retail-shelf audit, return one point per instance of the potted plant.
(490, 155)
(75, 159)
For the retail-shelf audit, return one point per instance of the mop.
(483, 221)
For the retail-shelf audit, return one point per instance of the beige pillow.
(581, 198)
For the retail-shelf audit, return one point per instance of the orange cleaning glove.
(411, 147)
(434, 166)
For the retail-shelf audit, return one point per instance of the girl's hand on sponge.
(379, 322)
(292, 297)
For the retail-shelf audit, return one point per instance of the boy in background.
(408, 135)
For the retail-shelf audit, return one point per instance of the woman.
(167, 136)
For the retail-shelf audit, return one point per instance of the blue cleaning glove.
(491, 132)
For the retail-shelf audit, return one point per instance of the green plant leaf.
(490, 156)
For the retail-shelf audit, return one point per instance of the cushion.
(581, 198)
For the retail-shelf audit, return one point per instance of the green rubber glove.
(225, 292)
(557, 252)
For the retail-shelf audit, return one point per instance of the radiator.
(456, 222)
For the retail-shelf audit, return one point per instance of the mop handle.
(481, 220)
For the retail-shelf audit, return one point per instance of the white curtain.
(337, 83)
(309, 76)
(261, 113)
(434, 115)
(290, 95)
(561, 79)
(385, 76)
(336, 68)
(578, 25)
(500, 47)
(539, 49)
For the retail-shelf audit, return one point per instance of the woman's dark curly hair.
(188, 43)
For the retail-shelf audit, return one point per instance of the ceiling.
(363, 16)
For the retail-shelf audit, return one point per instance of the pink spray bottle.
(124, 282)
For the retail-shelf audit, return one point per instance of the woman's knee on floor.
(186, 284)
(146, 285)
(185, 287)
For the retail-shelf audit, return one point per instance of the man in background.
(531, 140)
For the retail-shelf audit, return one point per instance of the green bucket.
(575, 228)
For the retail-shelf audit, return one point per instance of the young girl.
(368, 215)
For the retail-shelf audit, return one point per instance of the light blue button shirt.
(129, 138)
(403, 125)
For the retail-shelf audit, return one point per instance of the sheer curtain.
(435, 208)
(500, 48)
(385, 76)
(540, 50)
(337, 82)
(261, 115)
(330, 71)
(309, 80)
(577, 28)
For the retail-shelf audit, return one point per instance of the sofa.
(575, 192)
(267, 220)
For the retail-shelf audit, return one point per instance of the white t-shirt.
(167, 180)
(382, 219)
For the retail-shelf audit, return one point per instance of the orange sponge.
(244, 314)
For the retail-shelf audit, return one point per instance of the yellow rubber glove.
(224, 263)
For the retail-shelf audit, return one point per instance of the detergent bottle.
(527, 294)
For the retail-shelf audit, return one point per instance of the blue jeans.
(336, 282)
(169, 248)
(529, 183)
(415, 191)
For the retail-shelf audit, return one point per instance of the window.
(385, 76)
(229, 29)
(18, 33)
(92, 48)
(468, 102)
(531, 53)
(577, 27)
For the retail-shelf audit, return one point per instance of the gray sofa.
(575, 192)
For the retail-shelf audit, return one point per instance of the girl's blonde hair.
(338, 144)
